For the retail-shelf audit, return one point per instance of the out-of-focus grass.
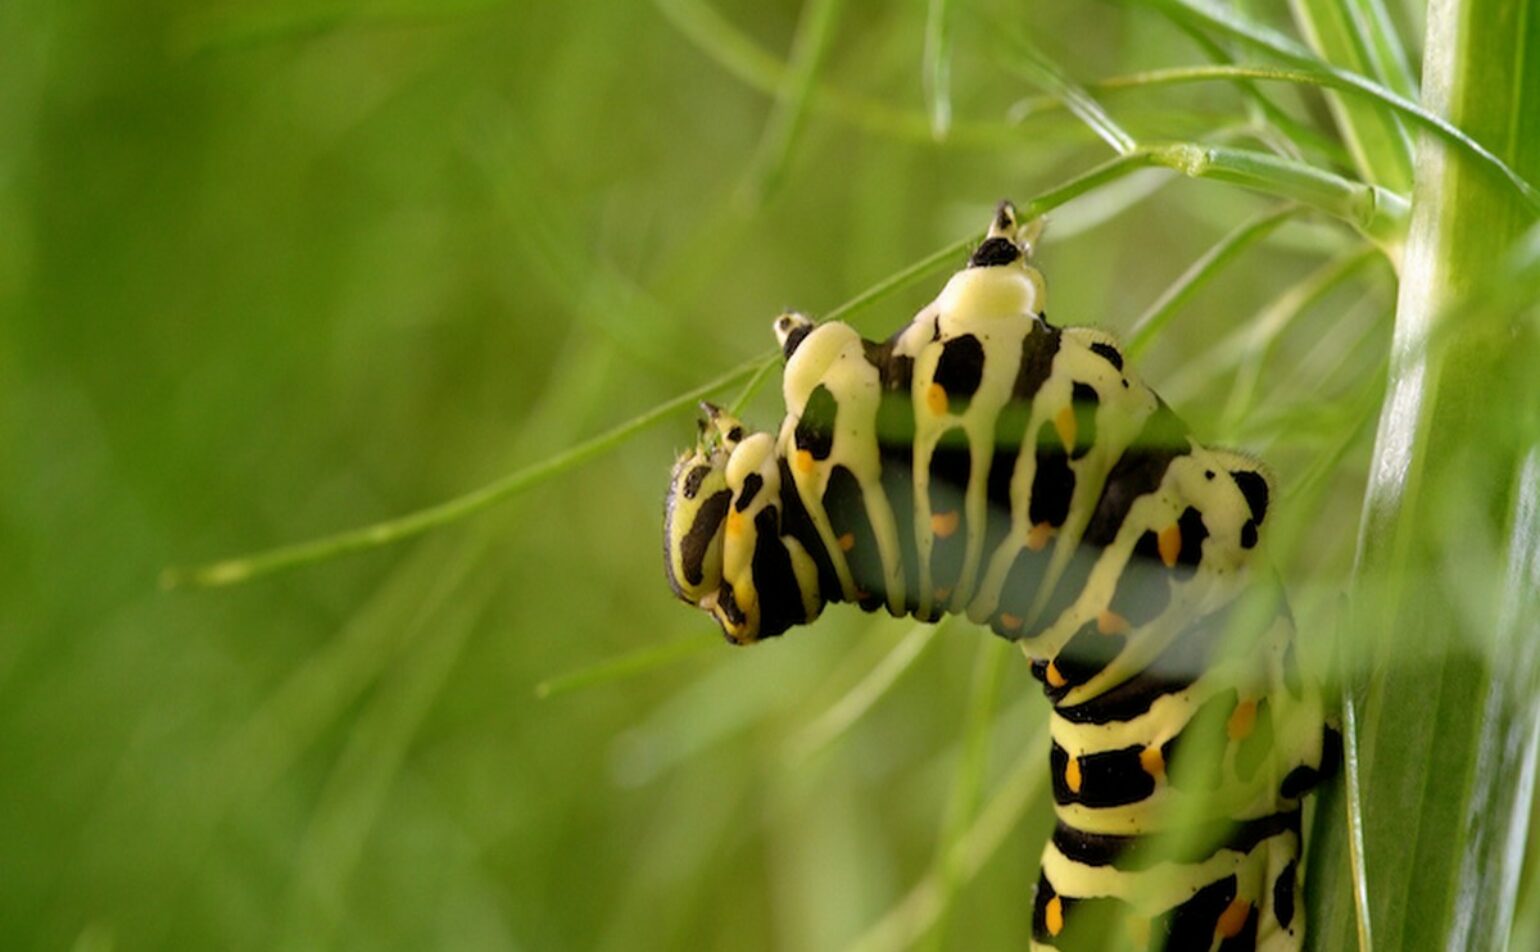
(274, 270)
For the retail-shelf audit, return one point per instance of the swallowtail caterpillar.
(985, 462)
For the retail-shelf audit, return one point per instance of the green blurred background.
(270, 270)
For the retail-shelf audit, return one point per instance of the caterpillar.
(983, 461)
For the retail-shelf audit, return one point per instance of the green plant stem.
(1341, 82)
(815, 29)
(962, 806)
(1143, 330)
(938, 66)
(231, 571)
(1442, 590)
(1377, 212)
(1381, 148)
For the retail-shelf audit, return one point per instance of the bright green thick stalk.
(1446, 713)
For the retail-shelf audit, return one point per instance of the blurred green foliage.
(273, 269)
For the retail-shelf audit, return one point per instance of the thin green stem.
(938, 66)
(626, 665)
(1036, 67)
(1375, 211)
(815, 29)
(1199, 274)
(1340, 81)
(984, 696)
(231, 571)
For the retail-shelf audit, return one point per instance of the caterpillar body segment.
(986, 462)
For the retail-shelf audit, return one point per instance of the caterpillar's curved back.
(986, 462)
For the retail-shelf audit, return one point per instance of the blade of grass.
(815, 28)
(1262, 331)
(627, 665)
(853, 704)
(938, 66)
(962, 804)
(1381, 148)
(737, 53)
(232, 571)
(1294, 132)
(353, 797)
(1376, 212)
(1342, 82)
(1036, 67)
(1144, 328)
(1443, 697)
(1026, 784)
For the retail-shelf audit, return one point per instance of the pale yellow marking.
(1243, 720)
(1233, 919)
(1139, 930)
(1072, 774)
(1038, 536)
(1065, 423)
(1170, 544)
(1111, 623)
(1053, 916)
(935, 398)
(805, 461)
(1010, 622)
(847, 541)
(1054, 678)
(1153, 762)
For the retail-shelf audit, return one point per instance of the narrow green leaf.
(1144, 328)
(1038, 68)
(938, 66)
(1376, 212)
(740, 55)
(815, 28)
(1381, 149)
(853, 704)
(1026, 784)
(1344, 82)
(984, 696)
(628, 665)
(232, 571)
(1445, 562)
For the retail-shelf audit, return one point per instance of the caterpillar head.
(999, 278)
(695, 511)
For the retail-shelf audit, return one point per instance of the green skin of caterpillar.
(984, 462)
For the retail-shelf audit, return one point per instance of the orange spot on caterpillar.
(1111, 623)
(847, 541)
(1139, 931)
(1010, 622)
(1153, 761)
(1038, 536)
(1243, 720)
(1064, 422)
(943, 524)
(935, 398)
(1055, 679)
(942, 594)
(1170, 544)
(1072, 774)
(735, 523)
(1233, 919)
(805, 461)
(1053, 916)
